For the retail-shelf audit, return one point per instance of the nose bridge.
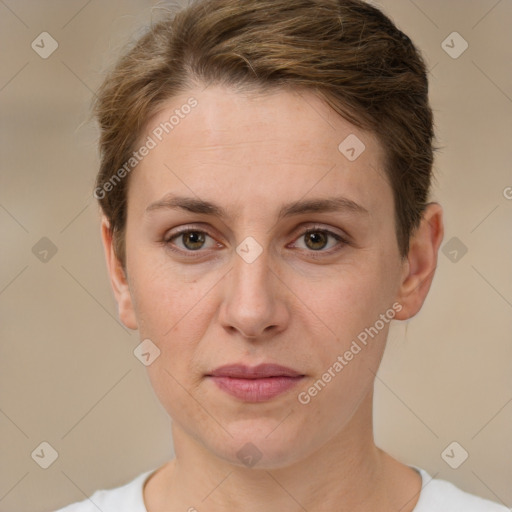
(250, 279)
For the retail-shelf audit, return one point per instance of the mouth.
(257, 383)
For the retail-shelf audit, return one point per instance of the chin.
(260, 445)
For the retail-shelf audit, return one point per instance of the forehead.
(224, 117)
(236, 145)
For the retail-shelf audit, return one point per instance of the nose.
(254, 299)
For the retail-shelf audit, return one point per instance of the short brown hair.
(346, 51)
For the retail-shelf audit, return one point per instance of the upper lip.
(261, 371)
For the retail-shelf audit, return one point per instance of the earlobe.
(421, 262)
(118, 279)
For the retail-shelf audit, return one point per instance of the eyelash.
(315, 254)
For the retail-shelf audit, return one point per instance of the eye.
(191, 240)
(317, 239)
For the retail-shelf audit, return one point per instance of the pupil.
(317, 238)
(196, 239)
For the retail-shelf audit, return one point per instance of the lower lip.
(255, 390)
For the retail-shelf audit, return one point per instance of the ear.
(418, 270)
(118, 279)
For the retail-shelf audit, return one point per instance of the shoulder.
(442, 496)
(128, 498)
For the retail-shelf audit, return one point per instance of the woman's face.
(252, 286)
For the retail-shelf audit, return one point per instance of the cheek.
(353, 300)
(178, 397)
(350, 308)
(347, 358)
(174, 315)
(166, 298)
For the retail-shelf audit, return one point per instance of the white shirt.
(435, 496)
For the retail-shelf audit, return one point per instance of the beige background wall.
(68, 376)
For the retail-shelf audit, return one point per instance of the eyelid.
(312, 227)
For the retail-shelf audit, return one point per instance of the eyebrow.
(194, 205)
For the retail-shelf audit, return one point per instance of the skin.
(288, 307)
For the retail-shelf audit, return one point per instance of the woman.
(264, 186)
